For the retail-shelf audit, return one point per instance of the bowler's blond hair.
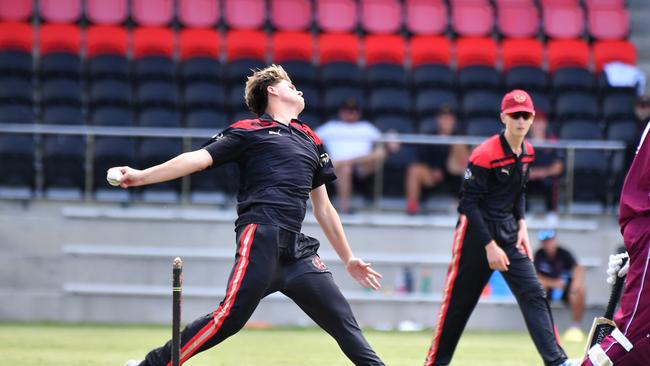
(255, 94)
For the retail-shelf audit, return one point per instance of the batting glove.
(614, 267)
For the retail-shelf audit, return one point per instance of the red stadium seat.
(338, 47)
(245, 14)
(291, 15)
(476, 51)
(518, 20)
(567, 53)
(107, 12)
(199, 13)
(292, 46)
(381, 16)
(563, 20)
(617, 3)
(472, 18)
(106, 39)
(522, 52)
(336, 15)
(426, 17)
(153, 41)
(152, 13)
(608, 22)
(246, 44)
(59, 38)
(430, 50)
(609, 51)
(199, 42)
(386, 49)
(16, 36)
(60, 11)
(15, 9)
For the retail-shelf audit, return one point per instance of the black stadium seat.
(394, 101)
(429, 101)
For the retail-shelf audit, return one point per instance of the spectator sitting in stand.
(545, 173)
(562, 279)
(350, 143)
(436, 163)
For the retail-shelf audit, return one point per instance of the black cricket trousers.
(468, 274)
(271, 259)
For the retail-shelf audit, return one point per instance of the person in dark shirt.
(435, 163)
(282, 164)
(563, 279)
(491, 234)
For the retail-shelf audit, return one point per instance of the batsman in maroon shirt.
(630, 345)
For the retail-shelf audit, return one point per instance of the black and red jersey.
(279, 166)
(494, 182)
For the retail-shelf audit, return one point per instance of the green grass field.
(104, 345)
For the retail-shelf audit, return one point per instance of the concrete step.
(151, 304)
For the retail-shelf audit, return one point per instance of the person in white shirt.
(350, 143)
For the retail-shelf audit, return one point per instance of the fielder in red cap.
(491, 234)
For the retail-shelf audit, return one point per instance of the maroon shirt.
(635, 196)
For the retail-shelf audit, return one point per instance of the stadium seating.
(472, 18)
(60, 46)
(429, 101)
(107, 12)
(430, 59)
(522, 65)
(384, 56)
(199, 13)
(389, 101)
(106, 52)
(426, 17)
(152, 13)
(291, 15)
(153, 50)
(476, 60)
(396, 161)
(563, 19)
(295, 51)
(517, 19)
(244, 14)
(60, 11)
(199, 53)
(381, 16)
(15, 10)
(16, 49)
(336, 15)
(483, 126)
(338, 56)
(608, 51)
(607, 20)
(245, 50)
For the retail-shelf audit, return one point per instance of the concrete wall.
(105, 263)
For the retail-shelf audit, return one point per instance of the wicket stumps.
(177, 290)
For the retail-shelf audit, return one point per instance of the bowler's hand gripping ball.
(113, 176)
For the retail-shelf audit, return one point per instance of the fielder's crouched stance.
(491, 234)
(282, 163)
(629, 344)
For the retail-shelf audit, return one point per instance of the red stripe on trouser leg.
(219, 315)
(452, 272)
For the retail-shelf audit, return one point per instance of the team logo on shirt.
(505, 171)
(324, 159)
(218, 137)
(468, 174)
(275, 133)
(318, 264)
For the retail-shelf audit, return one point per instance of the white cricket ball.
(113, 176)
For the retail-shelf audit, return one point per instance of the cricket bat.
(604, 325)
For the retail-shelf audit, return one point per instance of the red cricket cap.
(517, 101)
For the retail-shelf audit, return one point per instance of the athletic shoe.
(133, 363)
(574, 334)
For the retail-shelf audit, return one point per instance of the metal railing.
(187, 134)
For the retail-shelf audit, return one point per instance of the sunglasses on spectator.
(517, 115)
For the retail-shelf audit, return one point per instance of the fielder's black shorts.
(271, 259)
(468, 274)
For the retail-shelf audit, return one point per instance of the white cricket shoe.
(133, 363)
